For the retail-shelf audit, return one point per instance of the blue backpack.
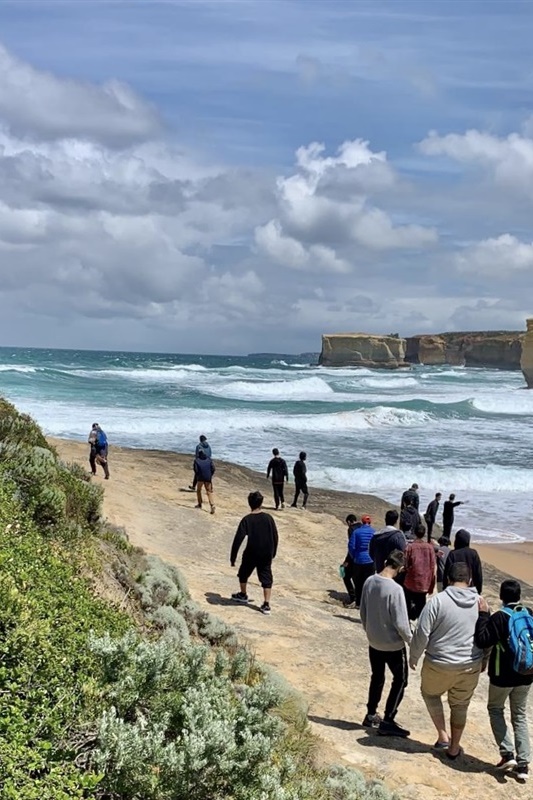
(101, 438)
(520, 638)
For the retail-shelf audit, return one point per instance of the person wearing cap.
(386, 624)
(363, 564)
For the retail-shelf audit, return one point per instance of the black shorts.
(264, 570)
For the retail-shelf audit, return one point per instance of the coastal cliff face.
(362, 350)
(496, 349)
(527, 355)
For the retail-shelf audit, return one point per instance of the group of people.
(278, 471)
(410, 512)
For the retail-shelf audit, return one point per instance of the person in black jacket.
(505, 683)
(448, 514)
(410, 520)
(385, 541)
(412, 495)
(463, 552)
(348, 563)
(260, 550)
(431, 514)
(204, 469)
(300, 481)
(278, 468)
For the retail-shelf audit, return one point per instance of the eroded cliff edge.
(496, 349)
(526, 361)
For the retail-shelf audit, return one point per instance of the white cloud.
(40, 105)
(500, 258)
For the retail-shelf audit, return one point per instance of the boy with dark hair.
(505, 682)
(358, 550)
(348, 567)
(410, 495)
(278, 467)
(442, 551)
(300, 480)
(431, 514)
(204, 469)
(463, 552)
(260, 550)
(448, 514)
(420, 565)
(386, 540)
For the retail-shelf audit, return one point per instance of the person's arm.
(242, 532)
(195, 467)
(400, 541)
(269, 468)
(362, 609)
(477, 574)
(275, 538)
(286, 471)
(489, 629)
(399, 616)
(422, 633)
(447, 566)
(354, 545)
(213, 468)
(457, 503)
(372, 548)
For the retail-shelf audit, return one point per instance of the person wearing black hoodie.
(386, 540)
(204, 469)
(506, 683)
(410, 495)
(278, 468)
(463, 552)
(448, 514)
(300, 480)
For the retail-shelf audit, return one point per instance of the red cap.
(365, 519)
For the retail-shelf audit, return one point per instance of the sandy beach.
(316, 644)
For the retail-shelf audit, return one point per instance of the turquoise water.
(468, 431)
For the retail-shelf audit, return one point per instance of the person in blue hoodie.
(203, 446)
(204, 469)
(363, 563)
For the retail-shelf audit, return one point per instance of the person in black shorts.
(260, 550)
(300, 480)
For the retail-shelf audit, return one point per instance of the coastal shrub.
(348, 784)
(19, 428)
(161, 584)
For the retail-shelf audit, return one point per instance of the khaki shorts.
(459, 684)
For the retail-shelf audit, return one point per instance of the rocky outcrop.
(526, 361)
(362, 350)
(496, 349)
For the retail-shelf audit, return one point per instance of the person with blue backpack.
(99, 449)
(510, 634)
(363, 564)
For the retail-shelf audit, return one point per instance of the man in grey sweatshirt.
(453, 661)
(384, 618)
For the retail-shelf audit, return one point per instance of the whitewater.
(468, 431)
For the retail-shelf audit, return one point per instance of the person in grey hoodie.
(386, 540)
(386, 624)
(453, 661)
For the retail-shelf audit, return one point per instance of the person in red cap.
(363, 563)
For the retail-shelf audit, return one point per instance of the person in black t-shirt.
(278, 468)
(260, 550)
(300, 481)
(448, 513)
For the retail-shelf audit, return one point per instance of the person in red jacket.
(420, 566)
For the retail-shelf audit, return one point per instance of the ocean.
(468, 431)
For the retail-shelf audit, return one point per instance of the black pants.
(279, 496)
(92, 460)
(447, 525)
(361, 573)
(95, 452)
(349, 579)
(415, 603)
(396, 661)
(429, 528)
(301, 487)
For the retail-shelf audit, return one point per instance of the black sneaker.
(283, 505)
(265, 608)
(521, 773)
(350, 604)
(507, 762)
(293, 505)
(371, 721)
(239, 597)
(391, 728)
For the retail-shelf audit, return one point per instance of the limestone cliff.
(497, 349)
(362, 350)
(527, 355)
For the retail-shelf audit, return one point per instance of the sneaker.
(371, 721)
(239, 597)
(213, 509)
(265, 608)
(521, 773)
(508, 762)
(391, 728)
(350, 604)
(293, 505)
(198, 505)
(283, 505)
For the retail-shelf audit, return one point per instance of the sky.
(231, 176)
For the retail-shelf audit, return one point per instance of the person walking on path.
(300, 480)
(347, 568)
(99, 449)
(448, 514)
(204, 469)
(463, 552)
(431, 514)
(278, 468)
(386, 540)
(261, 548)
(358, 550)
(442, 551)
(420, 566)
(409, 520)
(506, 683)
(453, 661)
(412, 495)
(202, 446)
(384, 619)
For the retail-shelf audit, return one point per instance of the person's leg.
(210, 496)
(377, 680)
(349, 581)
(306, 498)
(360, 574)
(429, 530)
(459, 696)
(397, 663)
(433, 685)
(264, 573)
(245, 570)
(199, 493)
(447, 529)
(92, 460)
(296, 496)
(275, 491)
(496, 707)
(281, 492)
(518, 699)
(408, 602)
(105, 465)
(305, 492)
(418, 600)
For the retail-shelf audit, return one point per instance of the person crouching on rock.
(204, 469)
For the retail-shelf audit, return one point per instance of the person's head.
(275, 452)
(438, 496)
(414, 486)
(452, 497)
(203, 439)
(366, 520)
(201, 455)
(459, 574)
(510, 591)
(444, 541)
(462, 539)
(395, 562)
(303, 456)
(95, 426)
(255, 500)
(420, 532)
(351, 519)
(391, 517)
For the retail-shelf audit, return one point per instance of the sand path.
(317, 645)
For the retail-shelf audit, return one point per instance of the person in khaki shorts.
(453, 662)
(204, 469)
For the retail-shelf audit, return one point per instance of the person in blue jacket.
(99, 449)
(358, 549)
(204, 469)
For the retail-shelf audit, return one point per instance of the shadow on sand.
(218, 600)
